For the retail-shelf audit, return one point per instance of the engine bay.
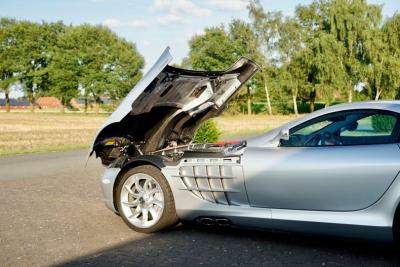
(160, 116)
(118, 150)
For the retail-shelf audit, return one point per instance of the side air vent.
(213, 183)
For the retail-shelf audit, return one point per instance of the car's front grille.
(213, 183)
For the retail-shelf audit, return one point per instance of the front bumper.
(107, 186)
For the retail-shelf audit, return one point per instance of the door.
(338, 162)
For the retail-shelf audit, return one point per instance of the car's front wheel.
(396, 228)
(145, 200)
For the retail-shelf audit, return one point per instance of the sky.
(152, 24)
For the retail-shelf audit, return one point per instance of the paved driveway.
(51, 214)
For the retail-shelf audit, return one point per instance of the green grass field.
(25, 132)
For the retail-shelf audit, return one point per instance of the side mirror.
(284, 134)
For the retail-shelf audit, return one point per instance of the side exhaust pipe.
(207, 221)
(214, 221)
(223, 222)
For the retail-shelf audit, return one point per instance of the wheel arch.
(155, 161)
(396, 224)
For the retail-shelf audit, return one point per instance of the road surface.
(51, 214)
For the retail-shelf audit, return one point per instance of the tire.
(396, 229)
(145, 201)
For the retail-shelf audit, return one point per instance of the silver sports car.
(333, 171)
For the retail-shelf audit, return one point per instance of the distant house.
(79, 103)
(48, 102)
(106, 100)
(19, 103)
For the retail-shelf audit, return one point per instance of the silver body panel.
(374, 222)
(340, 190)
(341, 178)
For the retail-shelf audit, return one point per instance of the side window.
(373, 125)
(313, 127)
(371, 129)
(345, 128)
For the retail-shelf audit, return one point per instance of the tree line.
(328, 51)
(53, 59)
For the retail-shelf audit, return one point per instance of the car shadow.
(211, 246)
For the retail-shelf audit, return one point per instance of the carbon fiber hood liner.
(169, 103)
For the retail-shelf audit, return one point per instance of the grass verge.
(25, 132)
(44, 149)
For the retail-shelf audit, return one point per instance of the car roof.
(392, 105)
(381, 105)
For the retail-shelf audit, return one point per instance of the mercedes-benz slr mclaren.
(334, 171)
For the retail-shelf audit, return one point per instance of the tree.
(207, 132)
(9, 58)
(25, 54)
(215, 50)
(378, 58)
(246, 44)
(350, 21)
(289, 45)
(218, 49)
(265, 28)
(281, 39)
(391, 37)
(94, 60)
(382, 59)
(324, 60)
(212, 50)
(125, 68)
(292, 78)
(36, 41)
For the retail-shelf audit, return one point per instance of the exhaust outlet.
(212, 221)
(207, 221)
(223, 222)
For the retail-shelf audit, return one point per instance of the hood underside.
(168, 104)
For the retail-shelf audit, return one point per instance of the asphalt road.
(51, 214)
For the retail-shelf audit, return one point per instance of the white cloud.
(171, 19)
(115, 23)
(191, 34)
(179, 7)
(146, 43)
(229, 5)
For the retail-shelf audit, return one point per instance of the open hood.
(168, 104)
